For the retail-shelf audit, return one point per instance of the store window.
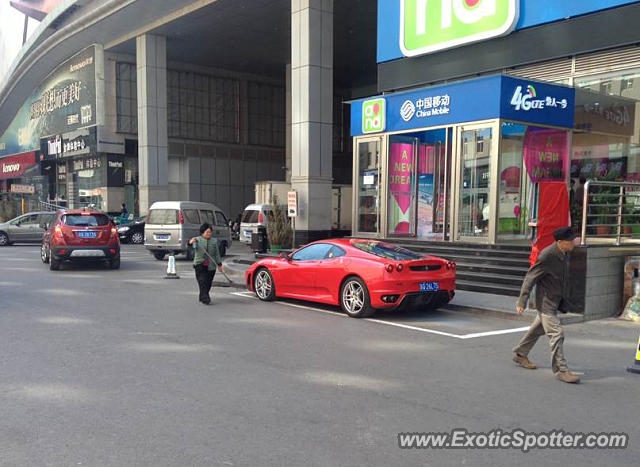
(606, 142)
(528, 155)
(126, 97)
(266, 115)
(203, 107)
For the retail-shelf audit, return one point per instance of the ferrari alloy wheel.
(137, 238)
(263, 285)
(354, 298)
(44, 253)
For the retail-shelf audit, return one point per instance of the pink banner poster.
(400, 172)
(546, 154)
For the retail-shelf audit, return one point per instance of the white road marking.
(398, 325)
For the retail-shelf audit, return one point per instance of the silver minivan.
(170, 225)
(254, 216)
(28, 228)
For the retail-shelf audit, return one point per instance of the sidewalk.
(238, 259)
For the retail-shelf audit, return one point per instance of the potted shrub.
(279, 230)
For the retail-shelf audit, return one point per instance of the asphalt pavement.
(103, 367)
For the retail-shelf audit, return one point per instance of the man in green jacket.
(202, 263)
(549, 275)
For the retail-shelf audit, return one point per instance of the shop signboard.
(115, 171)
(23, 189)
(408, 28)
(477, 99)
(65, 101)
(16, 166)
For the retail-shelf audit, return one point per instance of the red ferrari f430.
(361, 276)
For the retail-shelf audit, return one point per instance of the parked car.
(80, 235)
(170, 225)
(132, 232)
(254, 216)
(25, 229)
(361, 276)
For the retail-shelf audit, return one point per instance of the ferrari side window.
(335, 252)
(313, 252)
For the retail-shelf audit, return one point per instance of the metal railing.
(611, 212)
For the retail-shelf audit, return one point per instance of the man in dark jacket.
(549, 274)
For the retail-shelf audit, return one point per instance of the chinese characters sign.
(64, 102)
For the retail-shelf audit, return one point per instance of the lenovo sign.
(16, 166)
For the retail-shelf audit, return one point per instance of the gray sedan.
(27, 228)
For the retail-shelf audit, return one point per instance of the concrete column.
(288, 142)
(153, 154)
(312, 115)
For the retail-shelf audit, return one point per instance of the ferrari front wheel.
(263, 285)
(354, 298)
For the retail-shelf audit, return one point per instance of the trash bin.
(259, 240)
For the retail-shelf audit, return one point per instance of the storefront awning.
(491, 97)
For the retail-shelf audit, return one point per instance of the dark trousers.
(205, 280)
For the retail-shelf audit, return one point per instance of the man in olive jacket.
(549, 274)
(205, 268)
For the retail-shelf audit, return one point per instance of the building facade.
(136, 101)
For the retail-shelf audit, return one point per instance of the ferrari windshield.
(386, 250)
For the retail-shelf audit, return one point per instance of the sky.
(11, 25)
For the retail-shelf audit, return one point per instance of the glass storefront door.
(476, 156)
(368, 209)
(419, 175)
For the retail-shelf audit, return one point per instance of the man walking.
(548, 274)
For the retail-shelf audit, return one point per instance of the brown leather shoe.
(524, 362)
(568, 377)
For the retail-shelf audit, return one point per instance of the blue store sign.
(467, 101)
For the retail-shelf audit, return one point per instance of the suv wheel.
(44, 253)
(4, 239)
(115, 263)
(159, 255)
(54, 264)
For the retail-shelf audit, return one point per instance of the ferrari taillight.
(389, 268)
(399, 267)
(451, 265)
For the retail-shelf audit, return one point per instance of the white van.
(254, 216)
(170, 225)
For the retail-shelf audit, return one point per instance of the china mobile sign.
(428, 26)
(477, 99)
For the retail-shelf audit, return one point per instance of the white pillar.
(153, 155)
(312, 114)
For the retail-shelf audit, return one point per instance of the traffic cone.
(172, 273)
(635, 368)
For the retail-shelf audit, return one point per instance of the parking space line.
(398, 325)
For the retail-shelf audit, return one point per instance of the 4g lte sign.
(428, 26)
